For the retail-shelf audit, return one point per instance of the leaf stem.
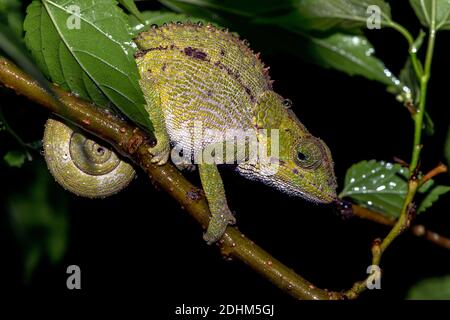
(413, 184)
(424, 79)
(412, 47)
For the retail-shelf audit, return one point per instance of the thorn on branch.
(401, 162)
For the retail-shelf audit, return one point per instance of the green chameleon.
(192, 72)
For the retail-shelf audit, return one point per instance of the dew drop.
(370, 52)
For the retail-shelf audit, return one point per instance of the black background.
(141, 242)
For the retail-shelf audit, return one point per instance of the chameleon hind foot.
(217, 226)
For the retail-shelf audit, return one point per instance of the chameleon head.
(300, 164)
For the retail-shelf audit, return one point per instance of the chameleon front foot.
(217, 226)
(161, 152)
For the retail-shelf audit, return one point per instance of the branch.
(133, 143)
(417, 230)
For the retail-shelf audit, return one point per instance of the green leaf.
(15, 158)
(431, 289)
(431, 197)
(423, 9)
(349, 53)
(95, 37)
(158, 18)
(39, 220)
(380, 186)
(325, 15)
(352, 54)
(53, 57)
(247, 8)
(131, 7)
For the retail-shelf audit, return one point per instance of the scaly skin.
(199, 73)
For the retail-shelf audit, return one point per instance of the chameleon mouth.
(320, 193)
(319, 197)
(328, 198)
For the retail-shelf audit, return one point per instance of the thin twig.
(421, 231)
(134, 143)
(418, 230)
(441, 168)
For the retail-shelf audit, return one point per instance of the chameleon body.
(198, 73)
(191, 73)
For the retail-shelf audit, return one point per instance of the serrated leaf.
(97, 36)
(131, 7)
(431, 197)
(423, 9)
(325, 15)
(382, 187)
(53, 57)
(158, 18)
(15, 158)
(376, 185)
(352, 54)
(431, 289)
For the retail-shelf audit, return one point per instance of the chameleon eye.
(287, 103)
(301, 156)
(308, 153)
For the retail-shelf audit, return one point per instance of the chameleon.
(200, 73)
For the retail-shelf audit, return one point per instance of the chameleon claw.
(160, 154)
(217, 226)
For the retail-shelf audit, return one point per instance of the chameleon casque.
(191, 72)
